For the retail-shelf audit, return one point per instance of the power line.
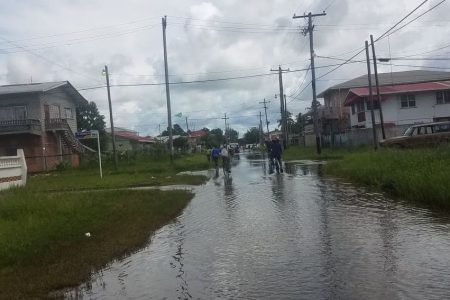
(419, 16)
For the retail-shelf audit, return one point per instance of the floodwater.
(297, 235)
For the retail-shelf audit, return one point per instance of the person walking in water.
(276, 153)
(215, 154)
(225, 158)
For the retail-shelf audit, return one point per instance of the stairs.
(67, 137)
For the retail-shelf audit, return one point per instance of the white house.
(409, 97)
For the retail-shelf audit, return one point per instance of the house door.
(47, 112)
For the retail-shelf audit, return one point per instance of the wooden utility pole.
(282, 110)
(265, 112)
(226, 127)
(166, 70)
(374, 130)
(310, 30)
(261, 134)
(375, 70)
(111, 120)
(187, 126)
(286, 120)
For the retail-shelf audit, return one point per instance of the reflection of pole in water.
(178, 257)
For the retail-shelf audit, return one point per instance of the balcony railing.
(20, 126)
(56, 124)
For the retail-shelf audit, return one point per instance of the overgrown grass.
(299, 152)
(144, 170)
(43, 246)
(420, 175)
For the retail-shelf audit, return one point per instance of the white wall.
(425, 111)
(13, 170)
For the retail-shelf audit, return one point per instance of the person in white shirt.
(225, 158)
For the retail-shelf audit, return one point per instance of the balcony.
(30, 126)
(56, 124)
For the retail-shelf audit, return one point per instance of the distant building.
(129, 140)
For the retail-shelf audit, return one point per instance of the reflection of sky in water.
(290, 236)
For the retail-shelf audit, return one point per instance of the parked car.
(427, 134)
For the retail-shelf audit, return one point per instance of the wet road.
(292, 236)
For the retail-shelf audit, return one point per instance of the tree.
(180, 142)
(89, 118)
(252, 136)
(232, 135)
(176, 130)
(214, 137)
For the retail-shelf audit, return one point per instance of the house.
(194, 140)
(40, 118)
(407, 97)
(129, 140)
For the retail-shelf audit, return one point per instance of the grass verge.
(43, 246)
(420, 175)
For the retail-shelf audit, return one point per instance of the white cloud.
(206, 40)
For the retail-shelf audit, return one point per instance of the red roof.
(355, 93)
(134, 137)
(198, 133)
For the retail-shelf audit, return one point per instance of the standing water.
(296, 235)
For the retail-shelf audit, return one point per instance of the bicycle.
(226, 166)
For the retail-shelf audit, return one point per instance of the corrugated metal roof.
(393, 78)
(30, 88)
(355, 93)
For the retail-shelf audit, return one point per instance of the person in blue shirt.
(215, 154)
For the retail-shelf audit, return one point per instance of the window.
(68, 113)
(353, 108)
(360, 106)
(443, 97)
(11, 113)
(376, 104)
(407, 101)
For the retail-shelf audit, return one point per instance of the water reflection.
(298, 235)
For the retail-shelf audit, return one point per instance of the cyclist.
(225, 158)
(276, 152)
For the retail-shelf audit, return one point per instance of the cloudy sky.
(49, 40)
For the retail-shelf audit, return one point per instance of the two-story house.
(40, 118)
(407, 97)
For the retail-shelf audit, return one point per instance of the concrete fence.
(13, 170)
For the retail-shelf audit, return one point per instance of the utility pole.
(375, 70)
(310, 30)
(282, 110)
(166, 70)
(265, 112)
(187, 126)
(286, 120)
(261, 134)
(225, 133)
(105, 71)
(374, 130)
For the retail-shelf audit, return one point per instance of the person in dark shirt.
(276, 152)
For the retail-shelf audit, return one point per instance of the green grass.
(142, 171)
(43, 246)
(420, 175)
(42, 236)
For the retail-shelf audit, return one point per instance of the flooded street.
(296, 235)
